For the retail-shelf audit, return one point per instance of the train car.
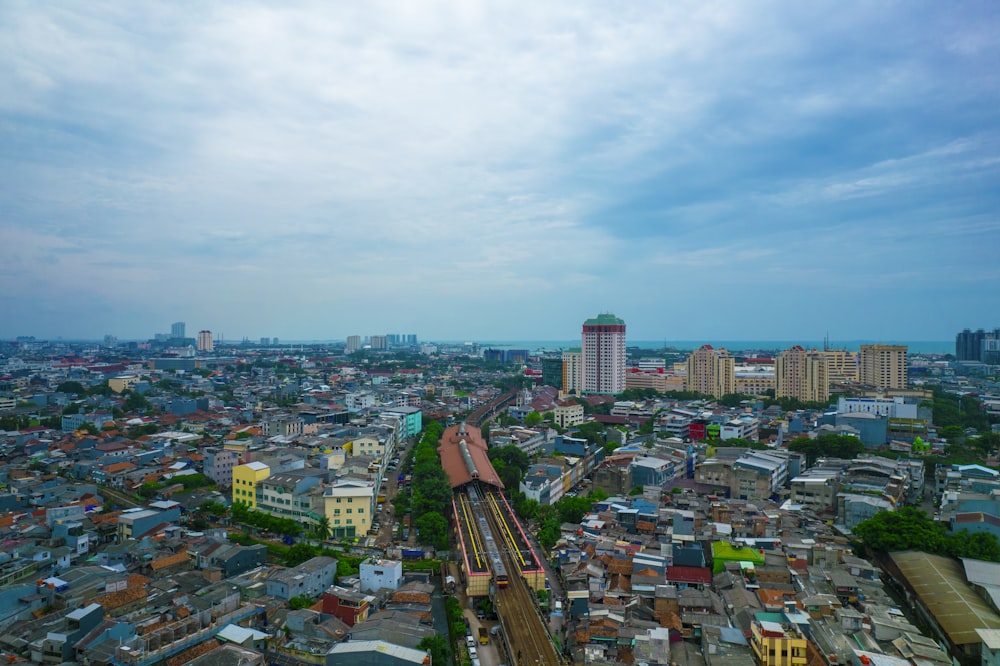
(497, 567)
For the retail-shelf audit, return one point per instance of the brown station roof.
(453, 460)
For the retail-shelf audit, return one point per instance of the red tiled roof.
(453, 461)
(678, 574)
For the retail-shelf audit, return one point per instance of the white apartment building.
(603, 355)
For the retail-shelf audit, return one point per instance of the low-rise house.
(308, 579)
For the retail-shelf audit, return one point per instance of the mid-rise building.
(552, 371)
(219, 464)
(841, 366)
(802, 375)
(353, 344)
(349, 505)
(604, 361)
(755, 379)
(883, 366)
(379, 342)
(711, 371)
(568, 414)
(205, 342)
(572, 371)
(245, 480)
(292, 495)
(777, 642)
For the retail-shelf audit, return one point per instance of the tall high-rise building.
(842, 367)
(967, 345)
(803, 375)
(711, 371)
(380, 342)
(972, 345)
(205, 342)
(604, 354)
(177, 330)
(572, 371)
(883, 366)
(353, 344)
(552, 371)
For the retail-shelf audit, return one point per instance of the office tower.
(353, 344)
(572, 370)
(265, 342)
(604, 354)
(883, 366)
(711, 371)
(177, 330)
(552, 367)
(205, 343)
(380, 342)
(803, 375)
(411, 338)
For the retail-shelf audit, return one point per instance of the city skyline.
(703, 170)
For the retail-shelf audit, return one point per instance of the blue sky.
(466, 170)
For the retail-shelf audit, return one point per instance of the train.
(497, 567)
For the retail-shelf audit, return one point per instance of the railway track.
(527, 637)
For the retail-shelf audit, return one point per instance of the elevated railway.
(488, 410)
(500, 562)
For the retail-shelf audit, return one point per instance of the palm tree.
(322, 529)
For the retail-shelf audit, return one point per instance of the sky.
(500, 170)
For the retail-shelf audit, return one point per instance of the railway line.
(527, 639)
(488, 410)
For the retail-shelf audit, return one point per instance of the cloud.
(438, 167)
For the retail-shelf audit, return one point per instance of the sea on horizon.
(913, 346)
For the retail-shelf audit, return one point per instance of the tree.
(74, 387)
(88, 428)
(299, 602)
(526, 509)
(437, 646)
(300, 553)
(740, 443)
(912, 529)
(835, 446)
(533, 419)
(135, 402)
(433, 530)
(573, 509)
(510, 455)
(597, 495)
(322, 529)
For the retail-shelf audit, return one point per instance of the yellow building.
(711, 371)
(756, 379)
(776, 643)
(842, 366)
(349, 505)
(572, 371)
(245, 480)
(119, 384)
(883, 366)
(801, 374)
(568, 414)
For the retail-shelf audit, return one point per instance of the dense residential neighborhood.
(179, 501)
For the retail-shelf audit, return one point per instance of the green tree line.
(912, 529)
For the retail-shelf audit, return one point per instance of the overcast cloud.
(500, 170)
